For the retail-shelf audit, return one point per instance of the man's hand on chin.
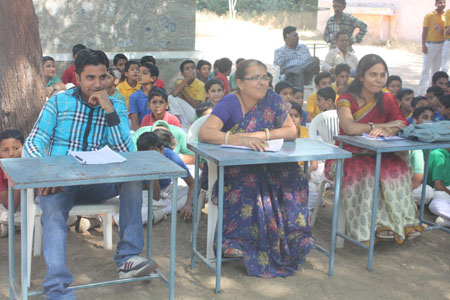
(101, 98)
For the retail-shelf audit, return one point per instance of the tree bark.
(21, 85)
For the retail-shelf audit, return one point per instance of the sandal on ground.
(387, 235)
(232, 252)
(413, 234)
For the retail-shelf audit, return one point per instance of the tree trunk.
(21, 85)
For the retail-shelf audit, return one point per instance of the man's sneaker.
(136, 266)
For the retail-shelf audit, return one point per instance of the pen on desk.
(79, 159)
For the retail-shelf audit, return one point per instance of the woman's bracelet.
(226, 137)
(267, 134)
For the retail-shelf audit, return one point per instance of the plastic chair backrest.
(194, 129)
(324, 126)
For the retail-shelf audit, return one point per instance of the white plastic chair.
(323, 127)
(213, 211)
(34, 212)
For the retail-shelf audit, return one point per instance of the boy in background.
(325, 99)
(119, 61)
(130, 84)
(138, 107)
(214, 91)
(112, 80)
(162, 189)
(69, 75)
(322, 80)
(342, 74)
(11, 143)
(444, 106)
(439, 178)
(158, 104)
(224, 70)
(233, 85)
(203, 70)
(159, 83)
(286, 91)
(433, 94)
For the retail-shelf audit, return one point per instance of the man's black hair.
(90, 57)
(287, 30)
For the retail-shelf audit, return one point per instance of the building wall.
(162, 28)
(405, 21)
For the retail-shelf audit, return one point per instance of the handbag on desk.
(427, 132)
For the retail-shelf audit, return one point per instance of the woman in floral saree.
(265, 206)
(366, 109)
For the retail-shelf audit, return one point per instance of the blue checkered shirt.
(286, 57)
(66, 123)
(348, 24)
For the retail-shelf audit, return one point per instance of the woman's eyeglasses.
(258, 78)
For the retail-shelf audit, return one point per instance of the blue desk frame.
(29, 173)
(380, 147)
(300, 150)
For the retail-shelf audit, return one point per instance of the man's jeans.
(303, 73)
(55, 210)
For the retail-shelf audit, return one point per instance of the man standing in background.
(432, 41)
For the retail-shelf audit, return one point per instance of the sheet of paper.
(382, 138)
(274, 146)
(99, 157)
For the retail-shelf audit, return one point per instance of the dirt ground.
(420, 269)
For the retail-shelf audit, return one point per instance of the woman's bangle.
(267, 134)
(372, 126)
(226, 137)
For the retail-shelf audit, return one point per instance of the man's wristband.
(112, 118)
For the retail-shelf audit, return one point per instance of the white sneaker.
(3, 230)
(136, 266)
(158, 216)
(442, 221)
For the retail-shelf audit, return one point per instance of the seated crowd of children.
(160, 119)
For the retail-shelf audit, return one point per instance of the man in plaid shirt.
(85, 118)
(296, 63)
(343, 22)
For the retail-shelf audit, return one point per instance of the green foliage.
(220, 7)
